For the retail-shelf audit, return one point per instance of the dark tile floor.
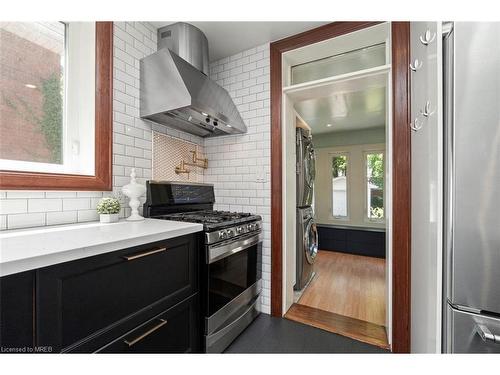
(275, 335)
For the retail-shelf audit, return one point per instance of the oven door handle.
(219, 252)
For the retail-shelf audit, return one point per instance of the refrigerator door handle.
(484, 332)
(449, 157)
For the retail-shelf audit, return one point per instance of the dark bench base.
(369, 242)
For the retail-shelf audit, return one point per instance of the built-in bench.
(352, 240)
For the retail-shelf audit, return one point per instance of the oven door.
(234, 285)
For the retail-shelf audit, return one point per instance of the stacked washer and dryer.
(307, 234)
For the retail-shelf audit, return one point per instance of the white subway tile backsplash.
(129, 28)
(44, 205)
(89, 194)
(134, 151)
(123, 98)
(120, 181)
(147, 145)
(87, 215)
(25, 220)
(60, 194)
(13, 206)
(142, 163)
(124, 160)
(19, 194)
(123, 139)
(118, 149)
(235, 160)
(72, 204)
(133, 131)
(64, 217)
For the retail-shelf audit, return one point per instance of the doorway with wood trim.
(286, 90)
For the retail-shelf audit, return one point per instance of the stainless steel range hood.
(175, 90)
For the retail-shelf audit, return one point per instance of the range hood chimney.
(176, 90)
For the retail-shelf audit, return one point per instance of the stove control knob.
(229, 233)
(222, 235)
(239, 230)
(249, 226)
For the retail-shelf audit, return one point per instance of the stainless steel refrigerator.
(471, 90)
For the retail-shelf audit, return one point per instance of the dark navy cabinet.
(17, 327)
(145, 295)
(359, 241)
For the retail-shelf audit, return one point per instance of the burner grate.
(211, 219)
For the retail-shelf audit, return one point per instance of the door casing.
(401, 168)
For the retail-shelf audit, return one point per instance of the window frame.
(331, 155)
(366, 218)
(102, 178)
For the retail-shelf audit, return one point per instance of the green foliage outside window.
(375, 164)
(52, 117)
(376, 167)
(339, 166)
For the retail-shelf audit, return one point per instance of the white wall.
(131, 143)
(239, 165)
(426, 194)
(351, 137)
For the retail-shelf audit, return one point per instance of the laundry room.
(340, 138)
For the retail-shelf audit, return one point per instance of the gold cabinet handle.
(151, 252)
(147, 333)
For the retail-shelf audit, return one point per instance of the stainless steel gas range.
(232, 256)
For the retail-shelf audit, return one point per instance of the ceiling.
(228, 38)
(344, 111)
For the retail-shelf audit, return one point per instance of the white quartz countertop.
(27, 249)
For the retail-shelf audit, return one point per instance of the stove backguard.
(164, 197)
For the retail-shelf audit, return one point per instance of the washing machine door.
(309, 174)
(309, 165)
(310, 241)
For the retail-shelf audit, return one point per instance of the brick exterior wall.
(21, 137)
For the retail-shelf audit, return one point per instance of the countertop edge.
(32, 263)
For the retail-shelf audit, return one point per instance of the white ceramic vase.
(109, 218)
(134, 191)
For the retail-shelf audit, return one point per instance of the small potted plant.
(108, 210)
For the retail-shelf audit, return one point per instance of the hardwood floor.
(360, 330)
(348, 285)
(346, 297)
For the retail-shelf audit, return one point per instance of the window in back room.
(339, 186)
(375, 185)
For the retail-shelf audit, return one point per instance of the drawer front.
(82, 299)
(173, 331)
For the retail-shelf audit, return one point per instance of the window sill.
(10, 180)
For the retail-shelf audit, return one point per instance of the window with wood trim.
(56, 105)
